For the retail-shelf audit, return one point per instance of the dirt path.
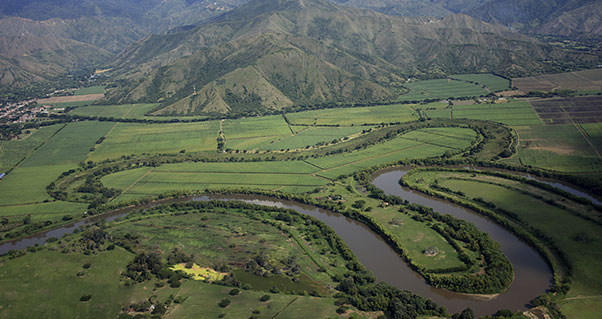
(136, 181)
(288, 305)
(584, 297)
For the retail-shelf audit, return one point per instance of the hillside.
(277, 53)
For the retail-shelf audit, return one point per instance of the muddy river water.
(532, 274)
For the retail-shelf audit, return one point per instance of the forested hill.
(269, 54)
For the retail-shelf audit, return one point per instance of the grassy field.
(493, 82)
(355, 116)
(99, 89)
(512, 113)
(561, 225)
(580, 81)
(132, 138)
(13, 151)
(116, 111)
(556, 147)
(441, 89)
(291, 176)
(594, 133)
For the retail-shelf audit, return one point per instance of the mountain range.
(198, 56)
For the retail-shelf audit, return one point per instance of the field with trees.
(99, 157)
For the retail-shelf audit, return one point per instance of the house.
(2, 175)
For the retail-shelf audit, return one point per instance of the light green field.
(512, 113)
(70, 104)
(492, 82)
(13, 151)
(561, 225)
(291, 176)
(557, 147)
(355, 115)
(133, 138)
(44, 211)
(441, 89)
(416, 144)
(116, 111)
(303, 137)
(99, 89)
(70, 145)
(45, 285)
(28, 184)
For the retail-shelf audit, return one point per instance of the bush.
(85, 297)
(234, 292)
(224, 303)
(86, 265)
(265, 298)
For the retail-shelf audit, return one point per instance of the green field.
(441, 89)
(133, 138)
(560, 224)
(99, 89)
(13, 151)
(355, 115)
(292, 176)
(512, 113)
(557, 147)
(117, 111)
(492, 82)
(594, 133)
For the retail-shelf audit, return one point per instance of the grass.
(45, 285)
(512, 113)
(70, 145)
(28, 184)
(290, 176)
(355, 115)
(116, 111)
(492, 82)
(561, 225)
(441, 89)
(132, 138)
(557, 147)
(594, 133)
(98, 89)
(200, 273)
(303, 137)
(13, 151)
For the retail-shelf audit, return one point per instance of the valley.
(300, 158)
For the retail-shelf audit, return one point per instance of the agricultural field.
(576, 236)
(133, 138)
(511, 113)
(587, 80)
(492, 82)
(355, 115)
(124, 111)
(587, 109)
(557, 147)
(63, 272)
(288, 176)
(14, 151)
(441, 89)
(98, 89)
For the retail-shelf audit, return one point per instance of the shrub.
(265, 298)
(224, 303)
(85, 297)
(234, 292)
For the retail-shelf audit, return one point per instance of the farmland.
(511, 113)
(492, 82)
(355, 116)
(441, 89)
(569, 110)
(575, 235)
(588, 80)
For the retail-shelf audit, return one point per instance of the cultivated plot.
(491, 82)
(355, 115)
(580, 81)
(133, 138)
(441, 89)
(586, 109)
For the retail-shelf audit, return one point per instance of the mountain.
(50, 38)
(551, 17)
(268, 54)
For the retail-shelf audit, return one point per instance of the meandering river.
(532, 274)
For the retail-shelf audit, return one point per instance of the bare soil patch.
(581, 80)
(73, 98)
(585, 109)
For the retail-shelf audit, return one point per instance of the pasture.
(511, 113)
(492, 82)
(14, 151)
(441, 89)
(578, 238)
(134, 138)
(557, 147)
(124, 111)
(98, 89)
(355, 115)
